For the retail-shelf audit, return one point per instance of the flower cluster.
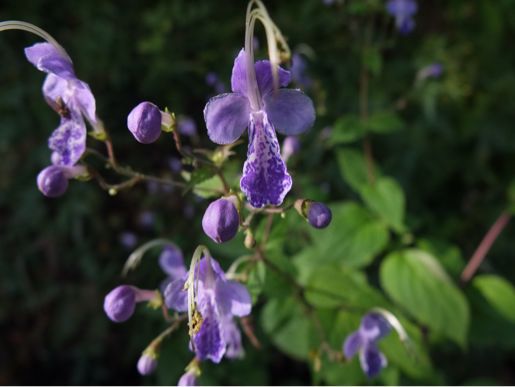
(72, 99)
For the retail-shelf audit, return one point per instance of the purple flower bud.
(128, 240)
(221, 220)
(186, 126)
(52, 181)
(119, 304)
(291, 145)
(188, 379)
(144, 122)
(147, 364)
(319, 215)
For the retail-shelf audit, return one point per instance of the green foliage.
(499, 293)
(415, 281)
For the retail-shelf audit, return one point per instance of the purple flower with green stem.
(403, 11)
(68, 96)
(217, 301)
(364, 341)
(256, 102)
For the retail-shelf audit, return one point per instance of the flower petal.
(46, 57)
(232, 337)
(265, 79)
(226, 116)
(265, 179)
(352, 344)
(85, 100)
(176, 297)
(68, 141)
(209, 343)
(372, 361)
(239, 74)
(290, 111)
(54, 88)
(263, 75)
(171, 261)
(374, 327)
(233, 299)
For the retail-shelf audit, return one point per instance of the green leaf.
(499, 293)
(284, 321)
(357, 238)
(331, 286)
(415, 280)
(353, 168)
(386, 198)
(346, 129)
(209, 188)
(384, 122)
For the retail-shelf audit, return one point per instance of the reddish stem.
(485, 245)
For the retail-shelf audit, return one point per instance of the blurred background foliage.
(444, 152)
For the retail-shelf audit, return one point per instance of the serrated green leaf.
(386, 198)
(416, 281)
(498, 292)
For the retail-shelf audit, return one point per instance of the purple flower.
(147, 219)
(147, 363)
(257, 106)
(403, 11)
(218, 301)
(318, 214)
(299, 72)
(373, 328)
(291, 145)
(128, 240)
(186, 126)
(67, 95)
(188, 379)
(221, 220)
(175, 164)
(433, 70)
(144, 122)
(120, 303)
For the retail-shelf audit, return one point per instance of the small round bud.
(147, 363)
(120, 303)
(221, 220)
(188, 379)
(250, 241)
(52, 181)
(319, 215)
(144, 122)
